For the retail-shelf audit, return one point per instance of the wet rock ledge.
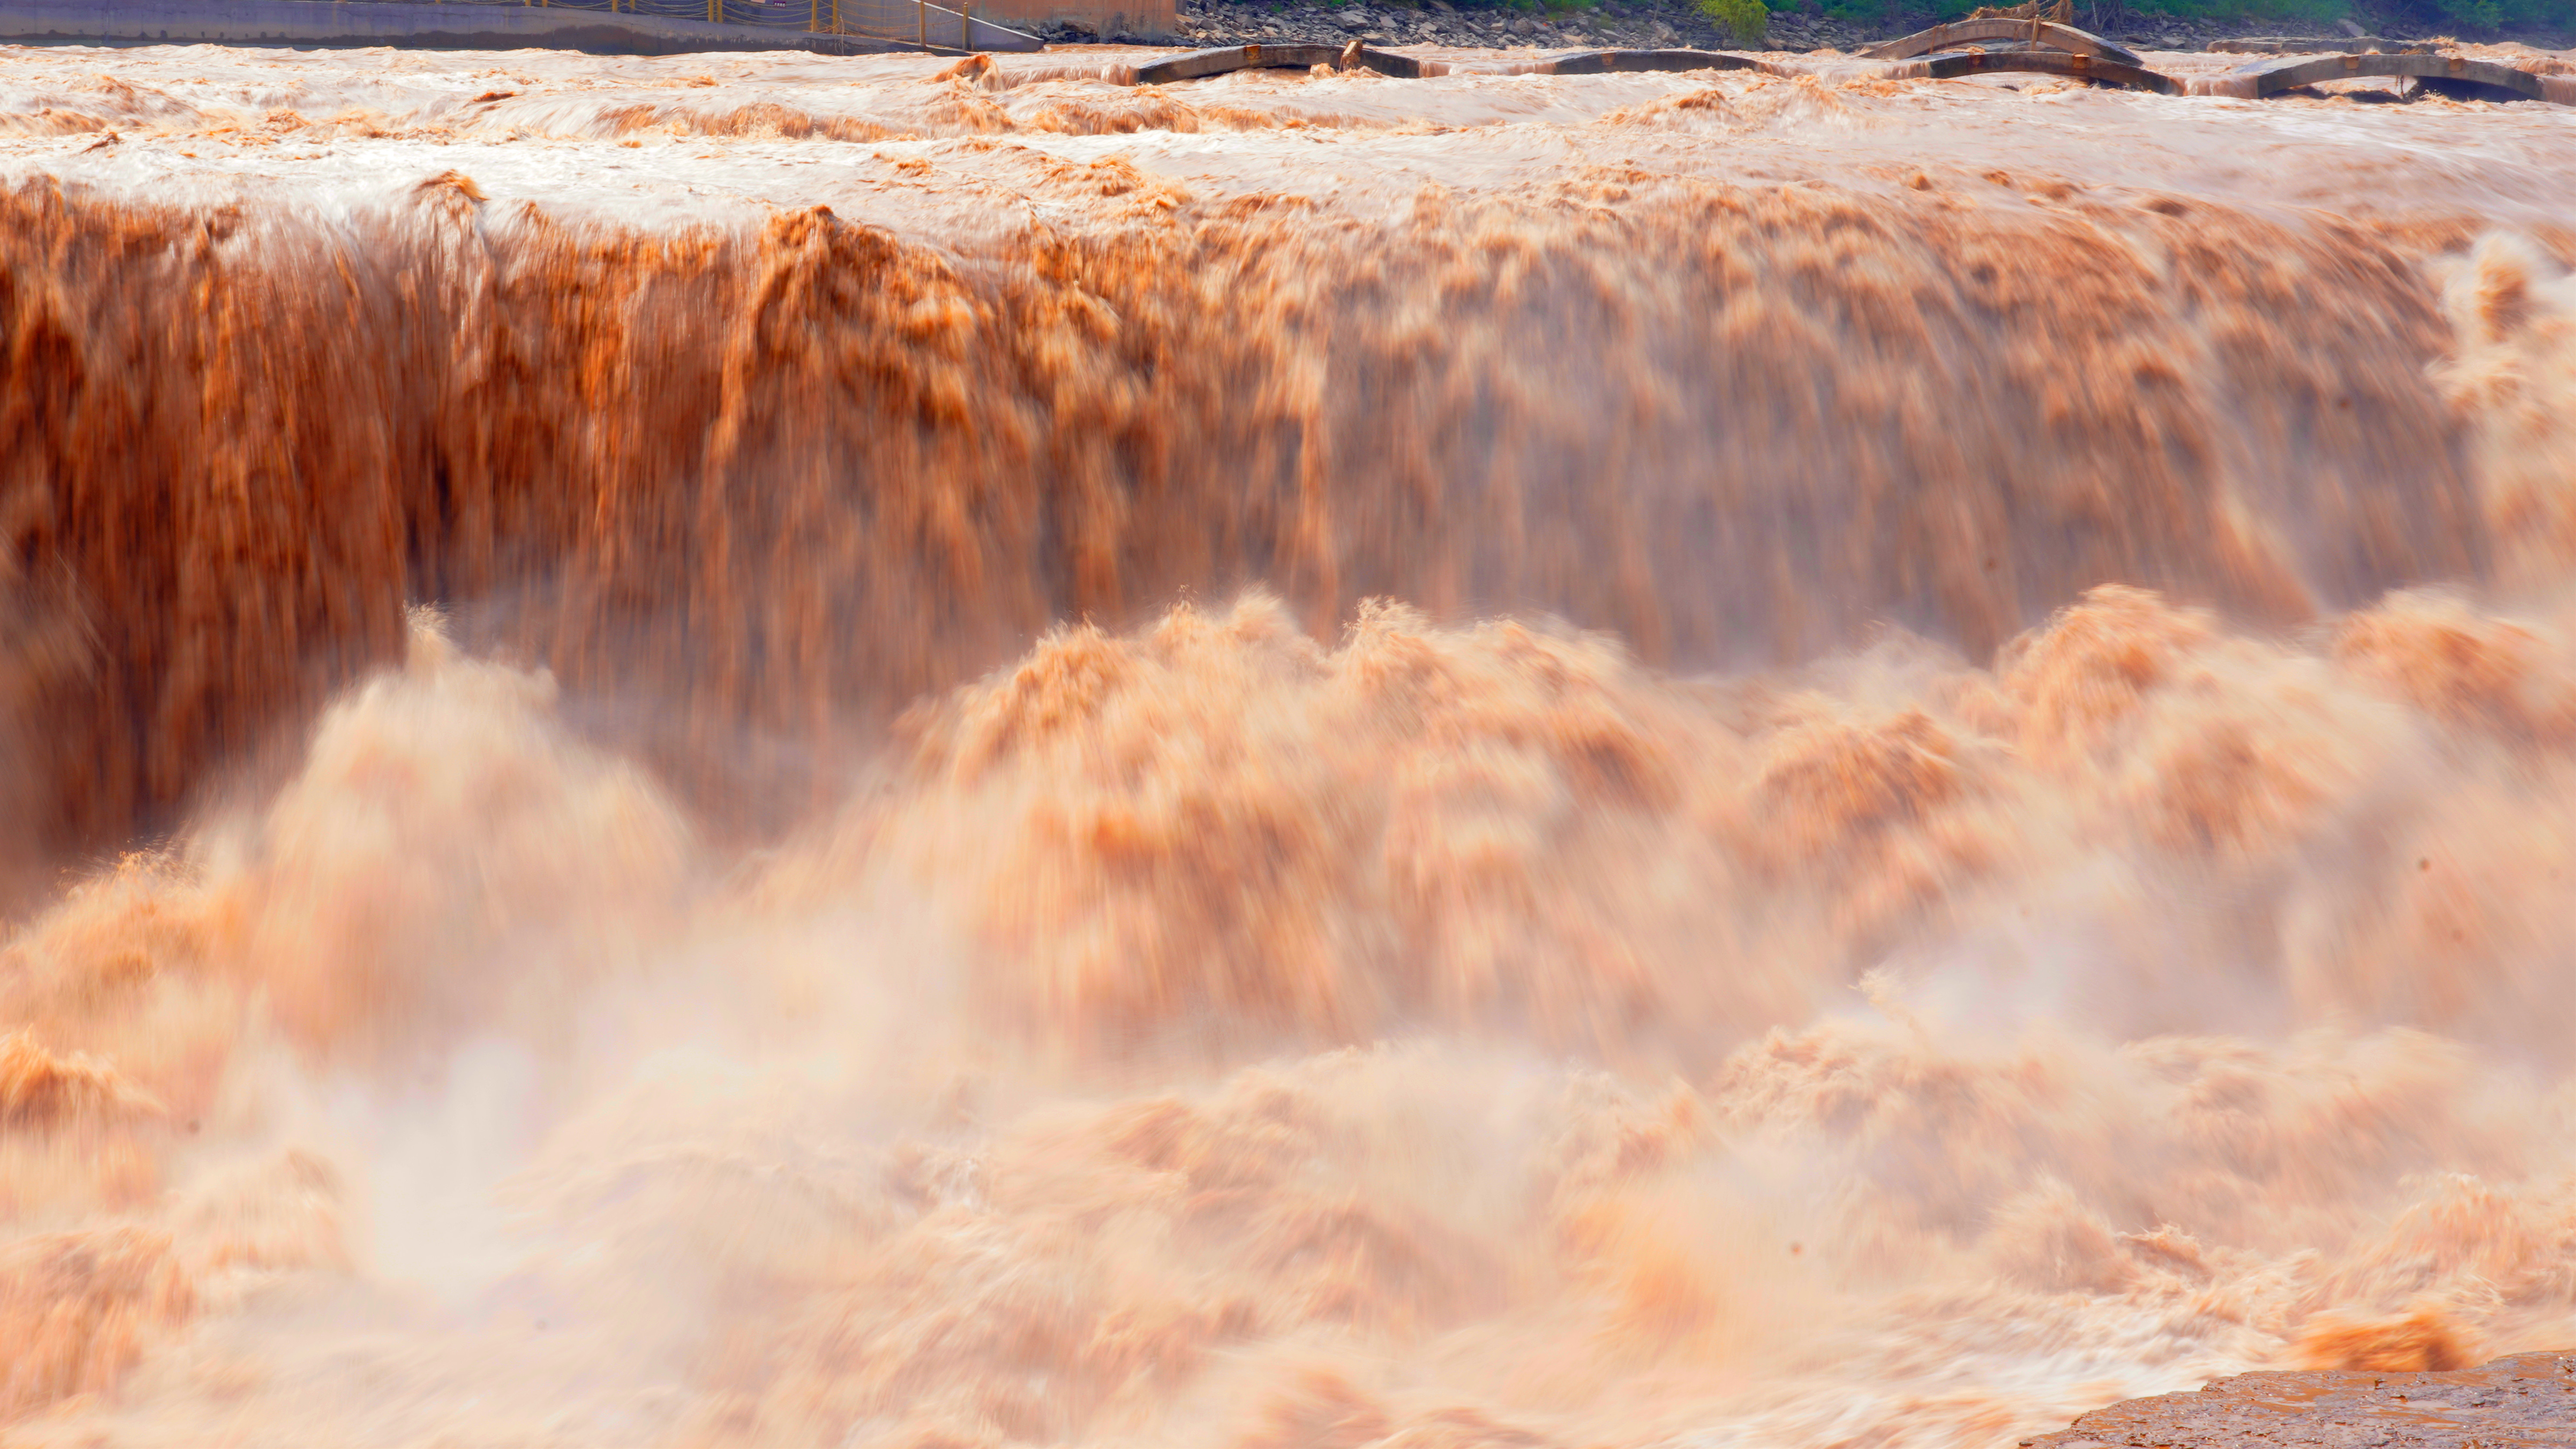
(1795, 25)
(2524, 1402)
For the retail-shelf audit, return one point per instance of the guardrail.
(608, 27)
(929, 26)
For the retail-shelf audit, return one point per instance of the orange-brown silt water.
(788, 751)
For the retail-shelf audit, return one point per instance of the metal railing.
(917, 21)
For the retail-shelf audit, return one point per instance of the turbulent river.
(787, 751)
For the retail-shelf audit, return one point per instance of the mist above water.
(1557, 761)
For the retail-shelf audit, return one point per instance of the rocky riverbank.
(2529, 1400)
(1657, 23)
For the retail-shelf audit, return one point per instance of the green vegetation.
(2306, 16)
(2474, 15)
(1746, 21)
(2297, 17)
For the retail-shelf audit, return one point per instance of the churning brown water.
(814, 753)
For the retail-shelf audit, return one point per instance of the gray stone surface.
(2524, 1402)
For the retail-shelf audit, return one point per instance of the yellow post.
(921, 10)
(813, 15)
(966, 25)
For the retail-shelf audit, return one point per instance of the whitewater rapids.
(780, 751)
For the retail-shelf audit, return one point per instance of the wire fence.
(944, 25)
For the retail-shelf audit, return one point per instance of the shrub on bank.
(2462, 17)
(1744, 21)
(2557, 15)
